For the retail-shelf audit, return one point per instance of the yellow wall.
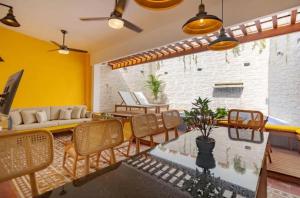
(49, 77)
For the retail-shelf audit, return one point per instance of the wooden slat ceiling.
(260, 29)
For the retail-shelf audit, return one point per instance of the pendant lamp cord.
(223, 10)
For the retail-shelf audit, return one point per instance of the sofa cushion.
(28, 116)
(73, 121)
(36, 125)
(65, 114)
(83, 112)
(55, 111)
(46, 109)
(16, 118)
(76, 112)
(41, 116)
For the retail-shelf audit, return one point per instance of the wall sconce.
(1, 59)
(10, 18)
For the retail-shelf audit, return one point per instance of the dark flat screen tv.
(9, 92)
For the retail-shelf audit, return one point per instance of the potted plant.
(154, 84)
(202, 118)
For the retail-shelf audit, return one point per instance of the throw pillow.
(29, 116)
(76, 112)
(41, 116)
(83, 112)
(16, 118)
(65, 114)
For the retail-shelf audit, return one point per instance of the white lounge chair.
(142, 100)
(129, 103)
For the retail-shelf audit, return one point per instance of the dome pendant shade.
(10, 19)
(223, 42)
(158, 4)
(202, 23)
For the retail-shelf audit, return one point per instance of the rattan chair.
(249, 119)
(143, 126)
(23, 153)
(92, 138)
(171, 121)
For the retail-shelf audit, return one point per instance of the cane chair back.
(171, 119)
(93, 137)
(144, 125)
(24, 153)
(246, 119)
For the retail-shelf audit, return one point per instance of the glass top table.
(176, 169)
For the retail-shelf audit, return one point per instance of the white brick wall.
(284, 78)
(183, 86)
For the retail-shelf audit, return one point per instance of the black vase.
(205, 144)
(206, 161)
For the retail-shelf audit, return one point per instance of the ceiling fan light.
(63, 51)
(202, 23)
(10, 19)
(223, 42)
(158, 4)
(116, 23)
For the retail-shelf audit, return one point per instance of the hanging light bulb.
(202, 23)
(223, 42)
(158, 4)
(116, 23)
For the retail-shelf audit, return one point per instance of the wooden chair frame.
(26, 140)
(169, 125)
(78, 153)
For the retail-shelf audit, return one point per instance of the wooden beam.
(274, 21)
(258, 26)
(243, 29)
(229, 31)
(243, 39)
(294, 16)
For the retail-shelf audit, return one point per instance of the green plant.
(201, 117)
(221, 113)
(261, 45)
(154, 84)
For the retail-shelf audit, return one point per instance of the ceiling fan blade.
(77, 50)
(53, 50)
(132, 26)
(55, 43)
(120, 6)
(94, 19)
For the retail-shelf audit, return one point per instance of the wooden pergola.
(276, 25)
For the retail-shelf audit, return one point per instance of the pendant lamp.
(202, 23)
(10, 18)
(158, 4)
(223, 42)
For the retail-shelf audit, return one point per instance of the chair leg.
(167, 136)
(151, 141)
(87, 165)
(128, 149)
(137, 145)
(64, 159)
(75, 166)
(33, 184)
(98, 159)
(176, 132)
(112, 156)
(269, 156)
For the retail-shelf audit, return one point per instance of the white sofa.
(52, 112)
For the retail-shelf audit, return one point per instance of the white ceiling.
(44, 18)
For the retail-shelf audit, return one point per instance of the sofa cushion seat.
(73, 121)
(36, 125)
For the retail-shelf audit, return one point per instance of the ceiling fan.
(115, 20)
(63, 49)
